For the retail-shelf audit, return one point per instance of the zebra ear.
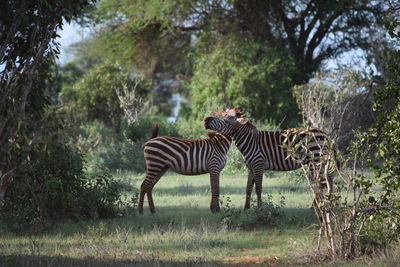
(239, 112)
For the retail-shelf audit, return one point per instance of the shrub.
(191, 128)
(53, 186)
(230, 214)
(381, 230)
(267, 214)
(141, 130)
(235, 162)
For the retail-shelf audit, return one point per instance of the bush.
(52, 186)
(235, 162)
(266, 214)
(230, 214)
(126, 153)
(103, 151)
(141, 130)
(191, 128)
(381, 230)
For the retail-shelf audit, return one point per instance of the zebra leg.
(258, 175)
(147, 187)
(214, 182)
(150, 189)
(141, 197)
(249, 189)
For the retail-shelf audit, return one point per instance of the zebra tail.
(154, 131)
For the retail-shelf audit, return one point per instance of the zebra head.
(225, 122)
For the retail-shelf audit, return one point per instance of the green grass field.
(182, 232)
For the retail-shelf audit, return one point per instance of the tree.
(97, 94)
(246, 74)
(386, 131)
(363, 211)
(171, 40)
(27, 43)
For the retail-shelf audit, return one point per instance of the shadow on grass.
(176, 218)
(170, 217)
(188, 190)
(300, 217)
(38, 260)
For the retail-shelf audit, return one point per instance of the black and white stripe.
(188, 157)
(263, 150)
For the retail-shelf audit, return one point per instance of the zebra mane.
(212, 134)
(249, 125)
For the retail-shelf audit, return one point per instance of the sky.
(70, 34)
(73, 33)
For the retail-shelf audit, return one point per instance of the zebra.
(188, 157)
(265, 150)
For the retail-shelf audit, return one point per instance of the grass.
(182, 232)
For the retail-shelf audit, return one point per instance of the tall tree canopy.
(269, 45)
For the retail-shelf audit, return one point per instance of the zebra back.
(280, 150)
(187, 156)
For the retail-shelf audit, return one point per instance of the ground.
(182, 232)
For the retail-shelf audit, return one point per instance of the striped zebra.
(264, 150)
(188, 157)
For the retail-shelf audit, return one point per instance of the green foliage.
(382, 229)
(102, 151)
(52, 185)
(247, 74)
(141, 130)
(223, 53)
(235, 162)
(297, 177)
(388, 131)
(267, 214)
(384, 135)
(28, 30)
(96, 93)
(132, 33)
(190, 128)
(230, 214)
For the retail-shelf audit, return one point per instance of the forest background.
(67, 129)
